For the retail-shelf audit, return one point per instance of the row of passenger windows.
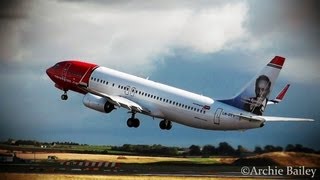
(134, 90)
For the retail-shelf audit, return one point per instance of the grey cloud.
(14, 9)
(292, 26)
(151, 4)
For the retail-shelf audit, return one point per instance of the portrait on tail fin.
(258, 103)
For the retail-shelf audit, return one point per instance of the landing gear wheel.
(169, 126)
(130, 122)
(133, 122)
(108, 107)
(162, 125)
(165, 125)
(136, 123)
(64, 97)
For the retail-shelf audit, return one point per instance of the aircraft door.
(217, 115)
(65, 71)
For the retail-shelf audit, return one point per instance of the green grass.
(203, 160)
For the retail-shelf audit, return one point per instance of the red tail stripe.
(278, 60)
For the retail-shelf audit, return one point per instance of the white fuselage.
(166, 102)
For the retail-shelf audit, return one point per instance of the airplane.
(106, 89)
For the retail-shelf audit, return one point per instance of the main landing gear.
(165, 125)
(64, 96)
(133, 122)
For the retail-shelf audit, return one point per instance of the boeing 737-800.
(105, 89)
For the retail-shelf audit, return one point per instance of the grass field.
(165, 165)
(122, 159)
(275, 158)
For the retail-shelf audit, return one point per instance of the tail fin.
(254, 97)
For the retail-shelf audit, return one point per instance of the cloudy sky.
(208, 47)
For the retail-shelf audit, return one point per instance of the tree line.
(36, 143)
(223, 149)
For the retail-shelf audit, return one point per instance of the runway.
(123, 169)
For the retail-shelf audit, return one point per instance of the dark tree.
(208, 150)
(258, 150)
(241, 150)
(225, 149)
(194, 150)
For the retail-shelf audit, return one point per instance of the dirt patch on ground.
(281, 159)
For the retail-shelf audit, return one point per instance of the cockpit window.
(56, 66)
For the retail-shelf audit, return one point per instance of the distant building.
(12, 142)
(7, 157)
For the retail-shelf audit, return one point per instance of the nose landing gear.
(64, 96)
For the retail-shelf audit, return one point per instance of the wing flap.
(249, 118)
(126, 103)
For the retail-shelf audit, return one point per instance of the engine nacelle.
(97, 103)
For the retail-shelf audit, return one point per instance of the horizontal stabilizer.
(275, 119)
(269, 118)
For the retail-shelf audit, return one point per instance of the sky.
(208, 47)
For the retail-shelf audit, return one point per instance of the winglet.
(283, 93)
(280, 96)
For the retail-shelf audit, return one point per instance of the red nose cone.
(49, 72)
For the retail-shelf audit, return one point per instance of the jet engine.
(97, 103)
